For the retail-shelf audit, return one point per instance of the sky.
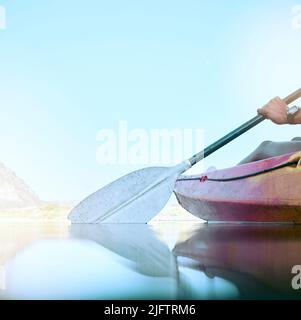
(71, 68)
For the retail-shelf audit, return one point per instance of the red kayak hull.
(269, 197)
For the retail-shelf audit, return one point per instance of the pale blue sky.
(71, 68)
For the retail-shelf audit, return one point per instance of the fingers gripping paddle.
(140, 195)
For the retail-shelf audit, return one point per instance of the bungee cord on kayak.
(205, 178)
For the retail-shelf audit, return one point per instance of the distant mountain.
(14, 192)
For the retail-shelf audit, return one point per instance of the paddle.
(140, 195)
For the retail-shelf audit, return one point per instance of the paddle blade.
(134, 198)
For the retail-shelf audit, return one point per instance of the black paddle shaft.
(226, 139)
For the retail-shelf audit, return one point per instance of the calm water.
(167, 260)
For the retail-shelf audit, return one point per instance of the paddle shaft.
(237, 132)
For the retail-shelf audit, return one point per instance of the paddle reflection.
(96, 262)
(152, 257)
(136, 243)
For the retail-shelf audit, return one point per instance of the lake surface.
(159, 261)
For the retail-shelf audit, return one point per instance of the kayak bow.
(263, 191)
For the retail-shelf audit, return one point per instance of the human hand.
(275, 110)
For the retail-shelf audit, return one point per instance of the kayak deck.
(273, 196)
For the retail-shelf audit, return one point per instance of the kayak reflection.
(257, 259)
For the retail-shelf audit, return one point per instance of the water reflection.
(257, 259)
(163, 261)
(140, 244)
(136, 243)
(95, 262)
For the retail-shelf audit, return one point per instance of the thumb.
(261, 111)
(264, 112)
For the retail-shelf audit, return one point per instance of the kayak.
(268, 190)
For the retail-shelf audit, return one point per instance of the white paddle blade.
(134, 198)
